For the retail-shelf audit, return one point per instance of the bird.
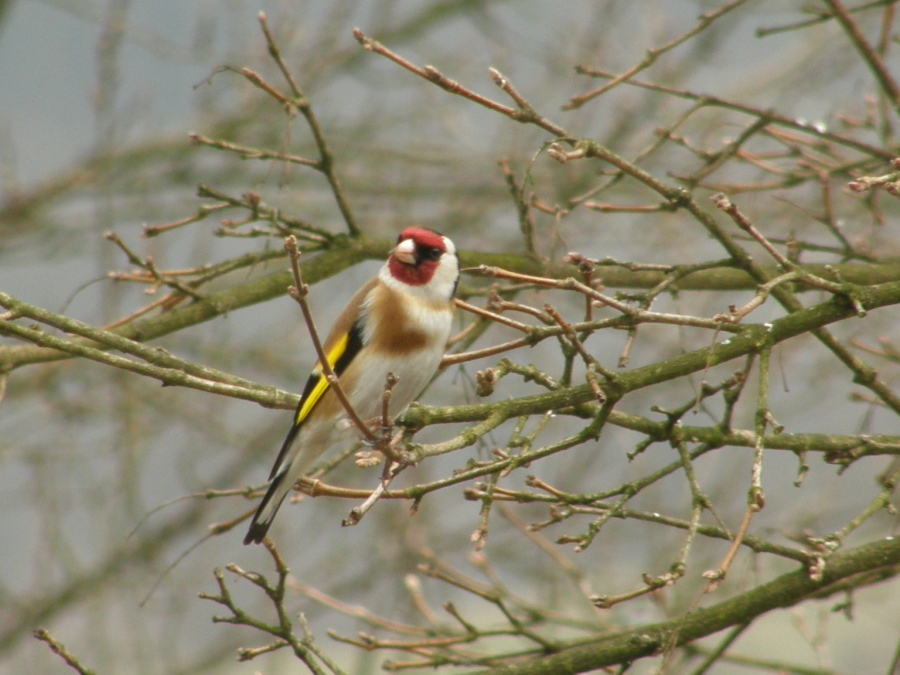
(399, 322)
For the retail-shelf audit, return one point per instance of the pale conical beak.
(405, 252)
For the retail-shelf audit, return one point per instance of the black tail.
(261, 522)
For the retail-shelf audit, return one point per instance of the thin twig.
(806, 127)
(326, 159)
(652, 54)
(868, 53)
(432, 74)
(299, 292)
(252, 153)
(60, 650)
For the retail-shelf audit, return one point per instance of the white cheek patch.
(439, 289)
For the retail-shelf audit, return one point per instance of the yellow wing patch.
(322, 385)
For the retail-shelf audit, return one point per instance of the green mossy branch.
(647, 640)
(343, 255)
(748, 341)
(345, 252)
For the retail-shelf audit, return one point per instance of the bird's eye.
(431, 253)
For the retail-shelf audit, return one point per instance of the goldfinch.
(399, 323)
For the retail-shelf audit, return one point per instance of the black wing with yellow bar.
(339, 357)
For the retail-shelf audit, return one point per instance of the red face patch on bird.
(422, 237)
(416, 256)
